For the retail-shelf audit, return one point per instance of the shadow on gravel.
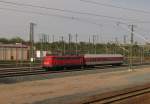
(7, 81)
(14, 80)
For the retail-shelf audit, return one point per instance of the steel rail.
(13, 72)
(35, 71)
(121, 95)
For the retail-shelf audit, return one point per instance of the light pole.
(131, 48)
(76, 44)
(32, 42)
(63, 45)
(89, 45)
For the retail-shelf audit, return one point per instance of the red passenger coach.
(60, 62)
(103, 59)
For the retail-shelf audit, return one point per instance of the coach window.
(96, 59)
(92, 59)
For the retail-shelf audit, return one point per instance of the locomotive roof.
(103, 55)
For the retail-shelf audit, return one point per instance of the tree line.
(80, 47)
(12, 40)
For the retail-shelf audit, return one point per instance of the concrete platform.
(69, 89)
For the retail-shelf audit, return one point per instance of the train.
(55, 62)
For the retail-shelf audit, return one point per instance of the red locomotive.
(61, 62)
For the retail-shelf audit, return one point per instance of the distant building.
(40, 54)
(13, 52)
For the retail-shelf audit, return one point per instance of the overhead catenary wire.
(53, 15)
(136, 34)
(69, 11)
(114, 6)
(56, 15)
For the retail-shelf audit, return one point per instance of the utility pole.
(53, 39)
(116, 40)
(124, 43)
(94, 47)
(116, 44)
(32, 41)
(45, 42)
(89, 44)
(52, 44)
(142, 54)
(97, 40)
(76, 43)
(48, 42)
(41, 41)
(125, 39)
(69, 35)
(22, 53)
(93, 42)
(131, 47)
(63, 43)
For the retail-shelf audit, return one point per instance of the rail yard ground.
(40, 74)
(32, 74)
(73, 89)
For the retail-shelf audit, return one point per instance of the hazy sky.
(17, 23)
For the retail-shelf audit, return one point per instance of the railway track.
(25, 71)
(124, 96)
(20, 71)
(18, 65)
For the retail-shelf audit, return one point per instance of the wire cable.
(54, 15)
(114, 6)
(136, 34)
(69, 11)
